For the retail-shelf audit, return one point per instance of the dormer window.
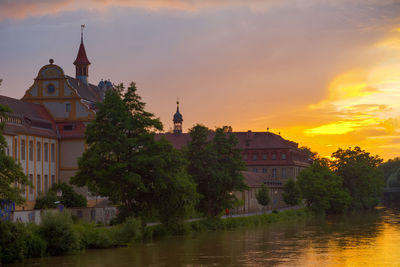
(51, 88)
(68, 107)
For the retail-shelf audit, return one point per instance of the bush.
(12, 242)
(128, 232)
(69, 198)
(56, 229)
(35, 245)
(92, 236)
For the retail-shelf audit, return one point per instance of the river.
(361, 239)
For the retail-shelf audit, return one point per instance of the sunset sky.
(325, 74)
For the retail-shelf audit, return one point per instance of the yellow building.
(45, 131)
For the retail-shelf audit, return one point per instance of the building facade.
(45, 131)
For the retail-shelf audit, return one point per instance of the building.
(45, 131)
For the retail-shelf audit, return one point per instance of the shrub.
(56, 229)
(69, 198)
(92, 236)
(12, 242)
(35, 245)
(128, 232)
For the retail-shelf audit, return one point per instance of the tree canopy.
(126, 164)
(291, 193)
(262, 195)
(215, 165)
(11, 172)
(323, 189)
(361, 176)
(69, 197)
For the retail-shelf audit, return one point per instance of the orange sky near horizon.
(325, 74)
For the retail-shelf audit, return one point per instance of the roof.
(81, 58)
(178, 116)
(30, 118)
(71, 130)
(247, 140)
(88, 92)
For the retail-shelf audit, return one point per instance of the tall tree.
(322, 189)
(11, 172)
(216, 166)
(291, 192)
(124, 163)
(361, 176)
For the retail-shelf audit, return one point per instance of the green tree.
(361, 176)
(262, 195)
(291, 193)
(311, 154)
(322, 189)
(11, 172)
(215, 165)
(124, 162)
(394, 179)
(69, 198)
(389, 168)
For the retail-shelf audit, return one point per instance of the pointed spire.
(82, 62)
(178, 119)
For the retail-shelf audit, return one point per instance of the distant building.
(45, 131)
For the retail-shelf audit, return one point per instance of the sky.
(325, 74)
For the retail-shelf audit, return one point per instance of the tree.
(262, 195)
(215, 166)
(69, 198)
(361, 176)
(394, 179)
(389, 168)
(322, 189)
(11, 172)
(291, 193)
(311, 155)
(124, 162)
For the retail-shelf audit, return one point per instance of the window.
(68, 107)
(68, 127)
(283, 172)
(283, 156)
(38, 151)
(264, 170)
(274, 173)
(46, 182)
(16, 147)
(264, 156)
(53, 179)
(255, 170)
(31, 180)
(53, 152)
(273, 156)
(30, 150)
(8, 151)
(255, 157)
(22, 149)
(38, 185)
(46, 152)
(23, 189)
(245, 157)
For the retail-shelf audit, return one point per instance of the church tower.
(178, 119)
(82, 62)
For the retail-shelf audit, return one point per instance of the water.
(361, 239)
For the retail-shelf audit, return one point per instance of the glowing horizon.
(325, 74)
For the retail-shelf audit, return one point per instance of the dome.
(178, 117)
(101, 84)
(108, 84)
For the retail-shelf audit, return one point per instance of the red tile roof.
(247, 140)
(81, 58)
(33, 118)
(88, 92)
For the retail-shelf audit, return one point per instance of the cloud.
(20, 9)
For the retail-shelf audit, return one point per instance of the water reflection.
(359, 239)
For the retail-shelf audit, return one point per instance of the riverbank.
(58, 235)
